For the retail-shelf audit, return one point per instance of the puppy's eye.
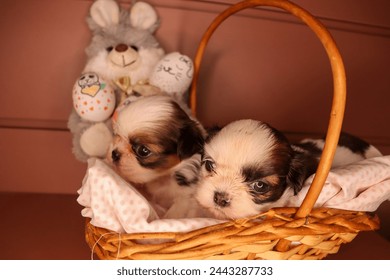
(142, 151)
(109, 49)
(260, 187)
(209, 165)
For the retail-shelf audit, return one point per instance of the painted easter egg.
(93, 98)
(173, 74)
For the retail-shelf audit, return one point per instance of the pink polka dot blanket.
(114, 204)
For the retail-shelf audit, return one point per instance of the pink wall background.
(260, 64)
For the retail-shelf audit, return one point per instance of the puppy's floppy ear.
(190, 141)
(211, 132)
(302, 165)
(297, 173)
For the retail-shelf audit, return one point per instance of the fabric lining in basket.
(114, 204)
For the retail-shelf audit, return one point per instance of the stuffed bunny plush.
(122, 57)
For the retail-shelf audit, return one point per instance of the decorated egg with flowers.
(93, 98)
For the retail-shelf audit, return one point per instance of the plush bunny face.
(123, 43)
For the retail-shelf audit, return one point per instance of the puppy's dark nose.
(115, 155)
(221, 199)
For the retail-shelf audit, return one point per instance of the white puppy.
(248, 164)
(156, 148)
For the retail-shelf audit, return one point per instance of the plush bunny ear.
(105, 12)
(144, 16)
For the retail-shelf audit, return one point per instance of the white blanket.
(113, 204)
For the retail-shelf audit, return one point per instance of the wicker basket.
(280, 233)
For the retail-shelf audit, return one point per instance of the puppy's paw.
(185, 207)
(187, 173)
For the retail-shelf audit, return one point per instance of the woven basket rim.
(278, 225)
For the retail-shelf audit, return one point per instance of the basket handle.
(339, 86)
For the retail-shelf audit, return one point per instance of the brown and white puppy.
(248, 164)
(156, 147)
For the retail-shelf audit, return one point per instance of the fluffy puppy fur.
(156, 148)
(248, 164)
